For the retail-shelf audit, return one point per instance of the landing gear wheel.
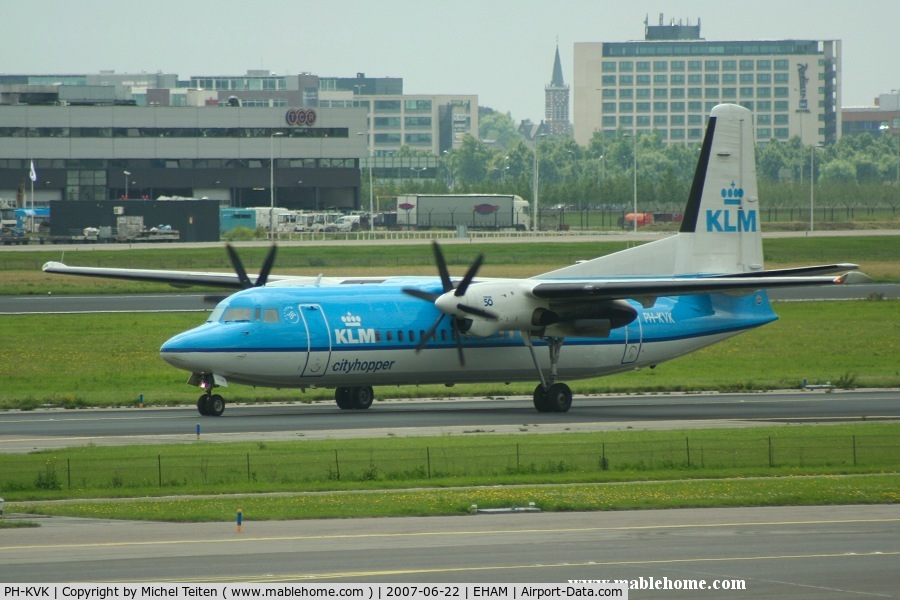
(361, 397)
(354, 398)
(201, 405)
(342, 398)
(559, 397)
(556, 398)
(540, 399)
(215, 405)
(211, 405)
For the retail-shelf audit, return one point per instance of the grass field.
(611, 470)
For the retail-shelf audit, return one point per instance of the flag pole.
(32, 175)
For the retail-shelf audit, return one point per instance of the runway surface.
(54, 428)
(776, 552)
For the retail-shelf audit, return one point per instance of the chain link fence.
(274, 467)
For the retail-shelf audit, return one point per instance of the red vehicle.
(642, 219)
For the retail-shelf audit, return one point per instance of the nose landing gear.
(211, 405)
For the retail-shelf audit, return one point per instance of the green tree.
(497, 126)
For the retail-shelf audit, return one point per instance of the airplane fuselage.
(355, 335)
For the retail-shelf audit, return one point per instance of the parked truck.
(473, 211)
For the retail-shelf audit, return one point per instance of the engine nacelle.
(488, 308)
(511, 304)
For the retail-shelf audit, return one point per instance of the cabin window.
(412, 335)
(443, 335)
(237, 314)
(399, 336)
(390, 336)
(377, 336)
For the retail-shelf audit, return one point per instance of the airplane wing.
(175, 278)
(616, 289)
(798, 271)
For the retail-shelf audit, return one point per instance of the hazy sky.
(501, 50)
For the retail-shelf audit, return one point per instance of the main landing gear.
(550, 396)
(354, 398)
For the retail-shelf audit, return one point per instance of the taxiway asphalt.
(824, 552)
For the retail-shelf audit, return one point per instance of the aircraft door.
(633, 339)
(318, 335)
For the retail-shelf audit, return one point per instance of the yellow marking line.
(270, 578)
(352, 536)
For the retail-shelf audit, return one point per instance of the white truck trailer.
(474, 211)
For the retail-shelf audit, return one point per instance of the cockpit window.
(270, 315)
(237, 314)
(216, 314)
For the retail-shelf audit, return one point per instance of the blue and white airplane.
(625, 311)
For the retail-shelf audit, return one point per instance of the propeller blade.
(238, 267)
(477, 312)
(442, 267)
(424, 341)
(428, 296)
(267, 267)
(459, 346)
(470, 275)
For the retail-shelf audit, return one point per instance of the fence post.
(69, 472)
(517, 455)
(159, 468)
(854, 449)
(248, 467)
(428, 458)
(771, 454)
(337, 465)
(687, 445)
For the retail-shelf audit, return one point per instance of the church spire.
(557, 79)
(556, 101)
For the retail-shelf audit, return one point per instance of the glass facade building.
(669, 86)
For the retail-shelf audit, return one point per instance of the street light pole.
(272, 183)
(127, 176)
(537, 181)
(634, 213)
(371, 190)
(634, 153)
(812, 180)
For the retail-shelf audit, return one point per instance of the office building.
(219, 137)
(669, 81)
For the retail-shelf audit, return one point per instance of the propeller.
(243, 278)
(447, 305)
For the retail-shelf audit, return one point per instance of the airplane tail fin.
(720, 230)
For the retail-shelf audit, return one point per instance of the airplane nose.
(182, 350)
